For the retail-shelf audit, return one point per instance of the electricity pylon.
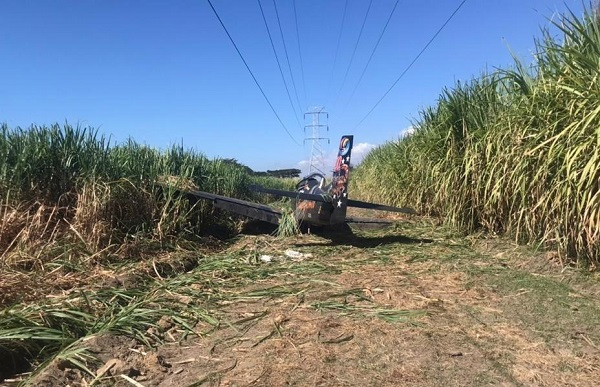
(317, 157)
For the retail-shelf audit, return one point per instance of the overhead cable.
(373, 52)
(251, 73)
(300, 52)
(412, 63)
(287, 90)
(337, 47)
(287, 57)
(354, 51)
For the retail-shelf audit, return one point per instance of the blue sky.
(164, 72)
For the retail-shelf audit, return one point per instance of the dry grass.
(420, 311)
(26, 229)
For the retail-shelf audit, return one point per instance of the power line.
(287, 90)
(412, 63)
(372, 52)
(251, 73)
(354, 51)
(287, 56)
(337, 47)
(300, 52)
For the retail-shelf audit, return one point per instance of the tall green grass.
(282, 183)
(46, 163)
(515, 151)
(71, 178)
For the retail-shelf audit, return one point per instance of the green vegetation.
(49, 163)
(76, 175)
(94, 240)
(58, 182)
(515, 151)
(161, 306)
(90, 233)
(419, 285)
(283, 183)
(288, 225)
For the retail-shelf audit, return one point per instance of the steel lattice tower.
(317, 157)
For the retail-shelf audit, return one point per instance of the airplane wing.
(380, 207)
(369, 221)
(328, 199)
(241, 207)
(292, 194)
(271, 215)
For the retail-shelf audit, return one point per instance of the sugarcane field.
(179, 208)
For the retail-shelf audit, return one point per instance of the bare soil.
(415, 304)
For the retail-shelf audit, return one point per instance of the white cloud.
(360, 150)
(304, 166)
(407, 131)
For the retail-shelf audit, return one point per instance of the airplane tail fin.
(341, 176)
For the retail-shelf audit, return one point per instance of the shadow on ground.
(257, 227)
(359, 241)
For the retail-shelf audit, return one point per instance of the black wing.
(328, 199)
(292, 194)
(380, 207)
(241, 207)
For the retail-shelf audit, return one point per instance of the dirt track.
(414, 305)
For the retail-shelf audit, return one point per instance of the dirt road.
(413, 305)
